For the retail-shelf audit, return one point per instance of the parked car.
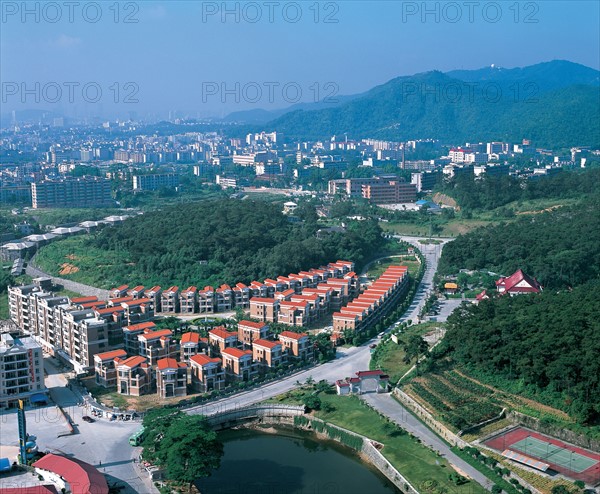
(88, 419)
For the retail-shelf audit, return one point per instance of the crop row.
(429, 397)
(467, 384)
(452, 396)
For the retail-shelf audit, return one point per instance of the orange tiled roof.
(111, 355)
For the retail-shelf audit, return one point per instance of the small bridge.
(253, 413)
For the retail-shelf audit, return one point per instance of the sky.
(202, 59)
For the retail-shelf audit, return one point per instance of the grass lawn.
(389, 355)
(427, 471)
(4, 313)
(416, 462)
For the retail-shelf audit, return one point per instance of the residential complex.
(21, 370)
(82, 192)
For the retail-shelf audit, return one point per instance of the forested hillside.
(490, 192)
(559, 248)
(213, 242)
(543, 346)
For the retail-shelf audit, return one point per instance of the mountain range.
(555, 104)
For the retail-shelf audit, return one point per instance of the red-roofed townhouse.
(71, 475)
(313, 278)
(518, 283)
(241, 295)
(264, 309)
(206, 300)
(274, 286)
(138, 310)
(169, 300)
(191, 344)
(354, 288)
(114, 320)
(294, 313)
(115, 302)
(316, 305)
(154, 294)
(207, 373)
(348, 265)
(344, 321)
(238, 365)
(156, 345)
(188, 300)
(303, 281)
(131, 333)
(267, 354)
(171, 378)
(296, 345)
(134, 376)
(259, 289)
(219, 339)
(248, 331)
(321, 274)
(105, 368)
(120, 291)
(291, 283)
(285, 295)
(79, 301)
(224, 298)
(136, 292)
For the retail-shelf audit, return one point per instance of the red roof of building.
(154, 289)
(153, 335)
(236, 352)
(120, 288)
(350, 317)
(169, 363)
(262, 300)
(266, 343)
(241, 286)
(481, 296)
(110, 310)
(252, 324)
(171, 289)
(140, 327)
(81, 476)
(517, 277)
(292, 335)
(190, 338)
(370, 373)
(139, 301)
(190, 289)
(111, 355)
(221, 332)
(132, 362)
(203, 360)
(119, 300)
(342, 384)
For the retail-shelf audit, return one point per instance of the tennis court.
(552, 453)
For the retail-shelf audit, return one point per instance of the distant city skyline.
(207, 59)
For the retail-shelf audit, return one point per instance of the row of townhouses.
(208, 300)
(76, 329)
(374, 303)
(160, 364)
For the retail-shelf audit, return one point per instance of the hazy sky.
(210, 58)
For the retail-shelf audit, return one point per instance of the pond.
(290, 462)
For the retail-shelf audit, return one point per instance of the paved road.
(86, 290)
(396, 412)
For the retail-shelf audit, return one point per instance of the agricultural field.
(460, 401)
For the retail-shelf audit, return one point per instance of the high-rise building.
(71, 192)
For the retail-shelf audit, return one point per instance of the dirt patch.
(445, 200)
(547, 210)
(460, 472)
(67, 268)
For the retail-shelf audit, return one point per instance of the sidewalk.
(385, 404)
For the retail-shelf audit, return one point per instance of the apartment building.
(131, 333)
(238, 365)
(296, 345)
(248, 331)
(82, 192)
(118, 292)
(136, 292)
(134, 376)
(219, 339)
(155, 181)
(206, 300)
(241, 295)
(169, 300)
(22, 305)
(392, 192)
(191, 344)
(154, 293)
(294, 313)
(21, 370)
(264, 309)
(105, 367)
(224, 298)
(156, 345)
(188, 300)
(171, 378)
(207, 373)
(267, 354)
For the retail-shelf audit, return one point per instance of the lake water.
(290, 462)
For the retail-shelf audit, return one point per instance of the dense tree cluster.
(230, 241)
(491, 192)
(545, 345)
(559, 248)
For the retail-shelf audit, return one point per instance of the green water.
(290, 462)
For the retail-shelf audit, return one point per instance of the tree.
(414, 348)
(312, 402)
(185, 446)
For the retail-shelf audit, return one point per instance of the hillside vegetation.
(213, 242)
(543, 346)
(559, 247)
